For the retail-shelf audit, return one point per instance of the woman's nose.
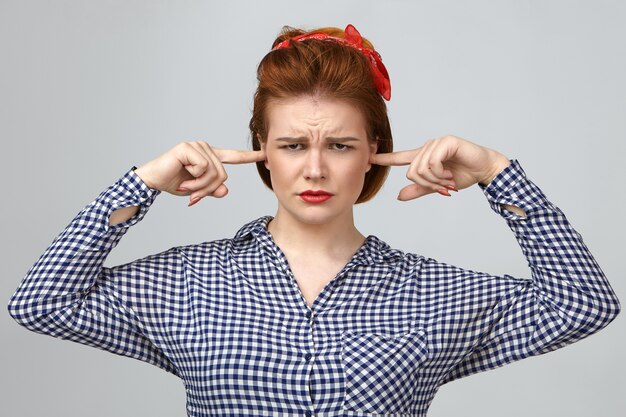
(314, 166)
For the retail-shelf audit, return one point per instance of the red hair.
(322, 69)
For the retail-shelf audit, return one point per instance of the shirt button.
(308, 314)
(144, 194)
(308, 356)
(308, 413)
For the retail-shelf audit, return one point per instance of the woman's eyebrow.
(328, 139)
(289, 139)
(342, 139)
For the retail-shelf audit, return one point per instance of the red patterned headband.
(353, 39)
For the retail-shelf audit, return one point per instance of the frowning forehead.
(305, 119)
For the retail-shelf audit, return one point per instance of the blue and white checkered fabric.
(228, 318)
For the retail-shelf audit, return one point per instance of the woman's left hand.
(446, 163)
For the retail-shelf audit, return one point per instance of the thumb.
(413, 191)
(220, 191)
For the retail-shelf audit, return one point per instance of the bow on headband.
(353, 39)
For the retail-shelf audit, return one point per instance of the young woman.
(300, 313)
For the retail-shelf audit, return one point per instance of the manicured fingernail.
(452, 188)
(182, 189)
(193, 201)
(443, 191)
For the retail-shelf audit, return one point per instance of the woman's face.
(317, 154)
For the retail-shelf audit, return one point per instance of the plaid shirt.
(228, 318)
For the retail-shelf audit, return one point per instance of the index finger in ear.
(232, 156)
(394, 158)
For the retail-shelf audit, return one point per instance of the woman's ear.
(262, 144)
(373, 149)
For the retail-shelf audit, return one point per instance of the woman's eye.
(339, 146)
(293, 146)
(300, 146)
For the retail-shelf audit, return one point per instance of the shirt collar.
(373, 250)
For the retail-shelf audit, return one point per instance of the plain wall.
(90, 88)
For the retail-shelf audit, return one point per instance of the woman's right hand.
(194, 169)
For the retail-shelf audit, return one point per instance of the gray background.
(90, 88)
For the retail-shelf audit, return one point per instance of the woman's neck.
(338, 239)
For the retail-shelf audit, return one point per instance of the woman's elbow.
(609, 310)
(24, 312)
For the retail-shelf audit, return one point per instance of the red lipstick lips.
(315, 196)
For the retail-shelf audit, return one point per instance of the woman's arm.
(485, 321)
(68, 294)
(506, 319)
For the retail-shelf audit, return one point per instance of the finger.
(221, 177)
(424, 165)
(231, 156)
(413, 191)
(441, 153)
(428, 165)
(199, 178)
(439, 172)
(203, 148)
(192, 159)
(214, 178)
(419, 173)
(211, 179)
(399, 158)
(220, 191)
(217, 163)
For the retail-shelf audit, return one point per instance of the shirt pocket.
(381, 368)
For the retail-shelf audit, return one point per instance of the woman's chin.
(317, 219)
(315, 216)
